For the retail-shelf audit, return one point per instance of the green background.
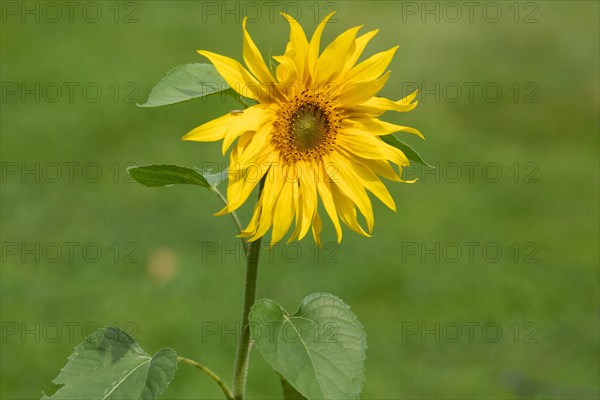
(407, 284)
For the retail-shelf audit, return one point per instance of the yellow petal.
(254, 221)
(346, 182)
(212, 130)
(296, 233)
(369, 146)
(347, 211)
(378, 105)
(376, 126)
(244, 178)
(381, 168)
(283, 212)
(316, 228)
(298, 45)
(238, 191)
(238, 77)
(308, 191)
(244, 140)
(359, 92)
(364, 173)
(259, 144)
(314, 45)
(268, 197)
(325, 193)
(361, 43)
(372, 67)
(330, 64)
(251, 119)
(254, 60)
(286, 70)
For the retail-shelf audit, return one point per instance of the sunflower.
(313, 134)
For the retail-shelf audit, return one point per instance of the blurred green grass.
(387, 288)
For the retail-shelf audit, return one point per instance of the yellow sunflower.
(314, 133)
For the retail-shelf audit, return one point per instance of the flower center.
(309, 126)
(306, 128)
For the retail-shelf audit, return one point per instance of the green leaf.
(215, 179)
(289, 393)
(109, 364)
(167, 175)
(410, 153)
(186, 82)
(319, 350)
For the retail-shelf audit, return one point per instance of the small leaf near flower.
(167, 175)
(187, 82)
(408, 151)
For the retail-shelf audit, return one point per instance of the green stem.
(236, 219)
(243, 351)
(240, 369)
(210, 373)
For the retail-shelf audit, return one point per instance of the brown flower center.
(306, 128)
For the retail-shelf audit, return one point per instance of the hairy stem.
(210, 373)
(240, 370)
(235, 218)
(243, 351)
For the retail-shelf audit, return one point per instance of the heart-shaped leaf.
(109, 364)
(319, 350)
(289, 393)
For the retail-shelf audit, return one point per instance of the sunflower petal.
(331, 63)
(260, 144)
(364, 173)
(378, 105)
(314, 45)
(359, 92)
(316, 228)
(347, 211)
(370, 147)
(325, 193)
(377, 127)
(297, 47)
(308, 190)
(212, 130)
(286, 71)
(254, 60)
(283, 212)
(268, 198)
(238, 77)
(250, 119)
(372, 67)
(347, 183)
(361, 43)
